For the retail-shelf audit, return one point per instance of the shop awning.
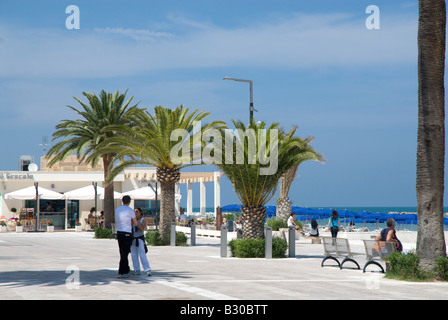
(88, 193)
(146, 193)
(30, 194)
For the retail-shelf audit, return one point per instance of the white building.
(70, 175)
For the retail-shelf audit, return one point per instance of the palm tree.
(152, 141)
(431, 130)
(253, 182)
(283, 203)
(82, 136)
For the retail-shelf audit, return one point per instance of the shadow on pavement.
(101, 277)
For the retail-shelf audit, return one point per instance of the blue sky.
(314, 64)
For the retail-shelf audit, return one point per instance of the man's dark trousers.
(124, 244)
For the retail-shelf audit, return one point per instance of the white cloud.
(136, 34)
(299, 41)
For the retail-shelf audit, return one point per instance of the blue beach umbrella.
(270, 211)
(231, 208)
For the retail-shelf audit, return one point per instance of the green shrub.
(153, 239)
(441, 268)
(181, 239)
(103, 233)
(276, 224)
(255, 248)
(279, 247)
(406, 267)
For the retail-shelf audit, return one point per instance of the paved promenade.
(69, 265)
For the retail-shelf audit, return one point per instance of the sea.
(369, 226)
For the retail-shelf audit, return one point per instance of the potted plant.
(3, 227)
(50, 226)
(19, 227)
(78, 226)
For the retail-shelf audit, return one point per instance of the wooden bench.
(334, 247)
(378, 251)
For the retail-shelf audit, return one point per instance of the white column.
(189, 197)
(217, 190)
(203, 197)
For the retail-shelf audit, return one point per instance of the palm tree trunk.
(283, 204)
(167, 208)
(167, 178)
(431, 131)
(253, 219)
(109, 206)
(284, 207)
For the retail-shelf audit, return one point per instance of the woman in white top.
(138, 248)
(292, 223)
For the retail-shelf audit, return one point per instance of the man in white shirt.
(124, 219)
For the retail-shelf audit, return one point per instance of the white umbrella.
(146, 193)
(88, 193)
(30, 194)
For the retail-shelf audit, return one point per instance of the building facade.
(71, 175)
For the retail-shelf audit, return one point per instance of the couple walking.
(130, 236)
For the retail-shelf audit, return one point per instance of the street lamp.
(251, 106)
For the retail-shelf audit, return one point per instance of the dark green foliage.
(441, 268)
(103, 233)
(276, 224)
(405, 267)
(153, 238)
(255, 248)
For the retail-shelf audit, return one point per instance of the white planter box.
(50, 228)
(3, 229)
(78, 228)
(19, 229)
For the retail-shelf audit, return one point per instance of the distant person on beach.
(333, 224)
(138, 248)
(314, 232)
(389, 234)
(182, 217)
(292, 223)
(125, 219)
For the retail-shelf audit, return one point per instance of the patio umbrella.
(88, 193)
(30, 194)
(146, 193)
(34, 193)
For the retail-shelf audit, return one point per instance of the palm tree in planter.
(308, 154)
(82, 136)
(156, 140)
(254, 159)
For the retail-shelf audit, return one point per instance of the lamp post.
(251, 105)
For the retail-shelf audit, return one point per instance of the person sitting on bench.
(389, 234)
(314, 232)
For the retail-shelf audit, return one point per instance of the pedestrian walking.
(139, 248)
(125, 220)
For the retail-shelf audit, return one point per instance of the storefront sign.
(16, 176)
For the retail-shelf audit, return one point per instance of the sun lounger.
(338, 247)
(378, 251)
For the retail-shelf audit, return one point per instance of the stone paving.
(74, 265)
